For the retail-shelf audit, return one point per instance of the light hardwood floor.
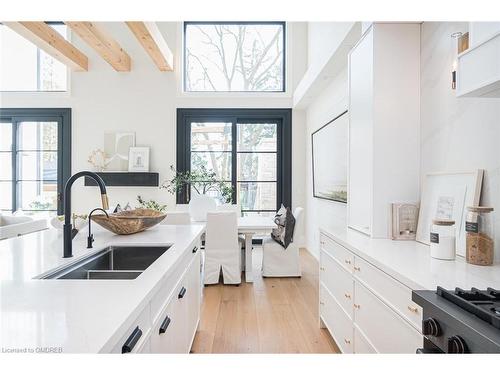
(271, 315)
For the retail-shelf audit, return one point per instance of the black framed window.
(249, 149)
(234, 56)
(35, 158)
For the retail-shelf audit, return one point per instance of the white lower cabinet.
(336, 320)
(387, 331)
(174, 330)
(169, 321)
(361, 343)
(365, 310)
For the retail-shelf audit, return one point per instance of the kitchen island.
(156, 312)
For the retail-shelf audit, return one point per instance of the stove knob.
(457, 345)
(430, 327)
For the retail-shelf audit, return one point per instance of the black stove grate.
(483, 304)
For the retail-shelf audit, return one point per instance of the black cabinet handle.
(195, 249)
(165, 324)
(182, 293)
(132, 340)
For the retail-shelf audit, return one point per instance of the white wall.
(320, 212)
(456, 134)
(144, 101)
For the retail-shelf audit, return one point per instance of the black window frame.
(186, 23)
(281, 116)
(63, 118)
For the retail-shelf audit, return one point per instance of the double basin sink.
(111, 263)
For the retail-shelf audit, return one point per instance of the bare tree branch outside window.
(234, 57)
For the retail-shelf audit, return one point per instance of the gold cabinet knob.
(413, 309)
(322, 268)
(347, 261)
(356, 306)
(357, 268)
(347, 295)
(321, 303)
(347, 341)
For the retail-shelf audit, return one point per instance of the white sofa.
(13, 226)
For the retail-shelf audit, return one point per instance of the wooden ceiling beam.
(100, 41)
(50, 41)
(149, 36)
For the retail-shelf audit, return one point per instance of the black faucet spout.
(67, 228)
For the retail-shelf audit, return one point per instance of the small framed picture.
(138, 160)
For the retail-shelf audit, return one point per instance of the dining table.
(249, 226)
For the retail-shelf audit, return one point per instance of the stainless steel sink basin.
(113, 262)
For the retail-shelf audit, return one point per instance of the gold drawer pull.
(357, 306)
(413, 309)
(347, 261)
(322, 268)
(357, 268)
(347, 341)
(347, 295)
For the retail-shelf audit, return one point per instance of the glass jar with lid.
(443, 239)
(480, 244)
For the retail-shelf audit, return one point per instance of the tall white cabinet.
(384, 115)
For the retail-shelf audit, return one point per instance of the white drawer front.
(361, 344)
(386, 330)
(336, 320)
(338, 281)
(338, 252)
(391, 291)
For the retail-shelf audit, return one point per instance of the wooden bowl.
(131, 221)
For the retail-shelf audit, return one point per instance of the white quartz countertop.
(78, 316)
(410, 262)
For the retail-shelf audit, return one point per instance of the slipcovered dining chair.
(222, 249)
(229, 207)
(177, 218)
(278, 261)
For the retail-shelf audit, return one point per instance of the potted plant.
(202, 182)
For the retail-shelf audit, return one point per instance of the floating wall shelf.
(126, 179)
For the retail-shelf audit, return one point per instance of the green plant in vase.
(201, 181)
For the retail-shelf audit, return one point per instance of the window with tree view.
(234, 56)
(32, 166)
(245, 153)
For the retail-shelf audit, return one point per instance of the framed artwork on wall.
(446, 196)
(116, 148)
(329, 158)
(138, 160)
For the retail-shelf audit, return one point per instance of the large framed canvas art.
(329, 157)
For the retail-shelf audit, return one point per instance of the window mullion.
(234, 159)
(14, 124)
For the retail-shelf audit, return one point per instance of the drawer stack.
(365, 310)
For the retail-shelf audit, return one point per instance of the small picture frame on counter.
(404, 221)
(138, 160)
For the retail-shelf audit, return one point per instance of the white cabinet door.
(382, 326)
(360, 134)
(193, 297)
(166, 330)
(338, 282)
(336, 320)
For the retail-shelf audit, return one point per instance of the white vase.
(199, 205)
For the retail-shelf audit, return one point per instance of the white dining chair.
(278, 261)
(229, 207)
(222, 248)
(177, 218)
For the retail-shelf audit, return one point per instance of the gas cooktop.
(485, 304)
(459, 321)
